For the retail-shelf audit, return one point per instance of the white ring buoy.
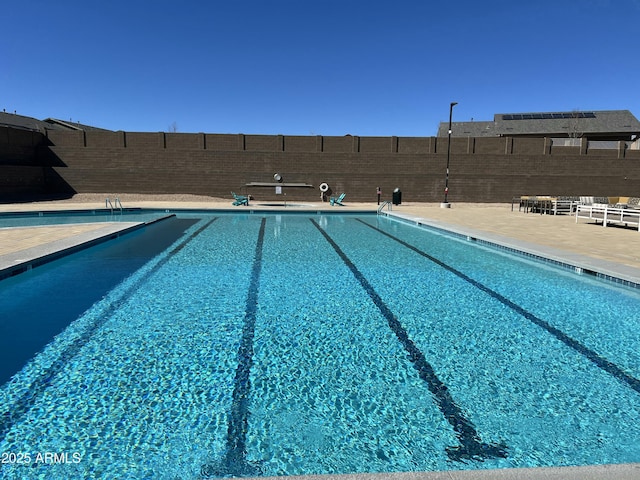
(324, 187)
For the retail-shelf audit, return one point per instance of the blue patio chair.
(337, 200)
(240, 199)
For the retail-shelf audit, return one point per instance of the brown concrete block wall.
(337, 144)
(17, 154)
(70, 138)
(603, 153)
(528, 146)
(474, 177)
(262, 143)
(102, 139)
(492, 146)
(376, 144)
(184, 141)
(565, 151)
(19, 138)
(144, 140)
(481, 169)
(416, 145)
(19, 179)
(21, 172)
(294, 144)
(221, 142)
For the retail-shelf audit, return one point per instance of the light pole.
(446, 204)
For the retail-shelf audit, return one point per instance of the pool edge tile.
(625, 471)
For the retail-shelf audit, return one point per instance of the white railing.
(602, 145)
(605, 214)
(566, 142)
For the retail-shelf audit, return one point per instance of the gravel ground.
(140, 197)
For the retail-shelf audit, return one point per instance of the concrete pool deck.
(613, 250)
(20, 247)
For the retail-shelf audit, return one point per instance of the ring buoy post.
(324, 188)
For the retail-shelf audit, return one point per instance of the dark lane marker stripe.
(471, 446)
(594, 357)
(235, 461)
(21, 406)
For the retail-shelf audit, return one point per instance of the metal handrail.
(112, 206)
(386, 203)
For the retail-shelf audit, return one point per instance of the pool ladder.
(110, 206)
(386, 203)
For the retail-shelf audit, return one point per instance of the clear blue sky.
(326, 67)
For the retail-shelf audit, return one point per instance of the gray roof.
(469, 129)
(56, 123)
(19, 121)
(30, 123)
(553, 124)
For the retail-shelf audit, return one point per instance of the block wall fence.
(481, 169)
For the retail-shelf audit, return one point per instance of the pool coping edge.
(624, 471)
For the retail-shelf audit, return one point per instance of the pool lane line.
(471, 445)
(601, 362)
(235, 461)
(21, 406)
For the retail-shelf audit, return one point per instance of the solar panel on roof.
(547, 116)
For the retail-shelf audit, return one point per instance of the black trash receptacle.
(396, 197)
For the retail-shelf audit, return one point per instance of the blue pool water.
(295, 344)
(64, 290)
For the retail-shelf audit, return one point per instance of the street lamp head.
(454, 104)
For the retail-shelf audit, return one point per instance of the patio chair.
(337, 200)
(240, 199)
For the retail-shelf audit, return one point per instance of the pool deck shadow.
(612, 251)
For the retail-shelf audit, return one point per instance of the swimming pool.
(309, 344)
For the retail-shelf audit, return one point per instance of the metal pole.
(446, 181)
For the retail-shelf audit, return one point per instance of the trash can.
(396, 197)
